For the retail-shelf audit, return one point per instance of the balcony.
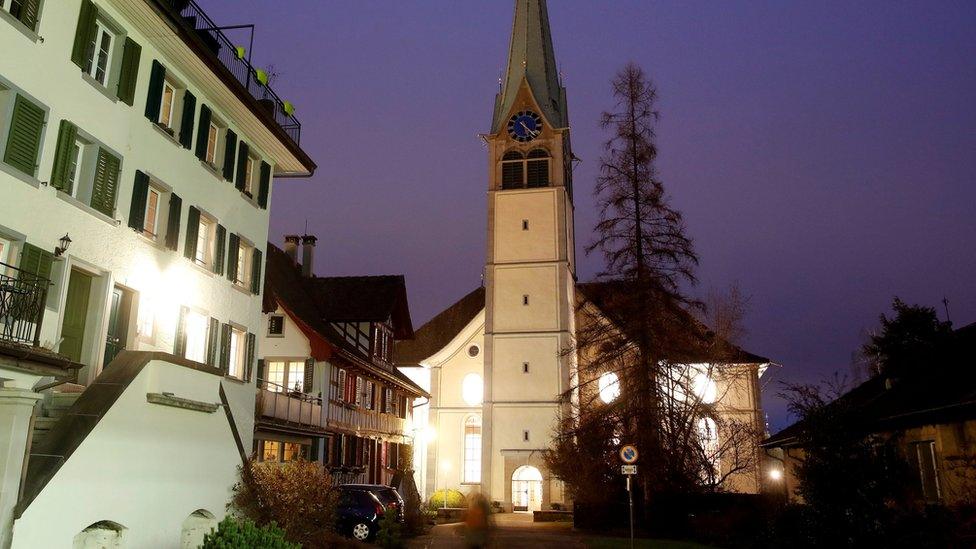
(236, 62)
(290, 408)
(22, 298)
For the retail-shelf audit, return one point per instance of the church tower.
(530, 269)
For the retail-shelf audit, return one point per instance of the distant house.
(327, 388)
(931, 416)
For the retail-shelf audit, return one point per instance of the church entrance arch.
(526, 489)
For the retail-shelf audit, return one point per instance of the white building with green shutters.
(137, 151)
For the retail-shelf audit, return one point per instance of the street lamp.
(64, 242)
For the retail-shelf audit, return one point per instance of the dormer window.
(530, 171)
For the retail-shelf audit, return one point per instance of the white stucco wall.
(144, 466)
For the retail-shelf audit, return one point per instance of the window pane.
(296, 376)
(104, 54)
(166, 108)
(276, 376)
(203, 242)
(212, 144)
(512, 174)
(74, 167)
(293, 451)
(152, 205)
(270, 451)
(472, 450)
(237, 348)
(538, 173)
(196, 336)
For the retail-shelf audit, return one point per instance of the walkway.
(511, 530)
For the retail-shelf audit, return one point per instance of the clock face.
(525, 126)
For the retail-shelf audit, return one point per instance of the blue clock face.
(525, 126)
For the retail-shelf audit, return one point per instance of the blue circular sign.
(628, 454)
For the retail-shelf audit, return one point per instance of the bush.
(298, 496)
(455, 499)
(389, 536)
(233, 533)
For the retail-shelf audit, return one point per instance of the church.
(493, 362)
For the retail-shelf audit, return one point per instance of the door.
(118, 324)
(75, 315)
(527, 489)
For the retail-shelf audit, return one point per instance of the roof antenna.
(945, 303)
(306, 226)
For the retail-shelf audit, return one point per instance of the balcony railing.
(22, 298)
(238, 66)
(292, 407)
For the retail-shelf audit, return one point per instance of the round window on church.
(473, 351)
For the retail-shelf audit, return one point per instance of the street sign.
(628, 454)
(628, 469)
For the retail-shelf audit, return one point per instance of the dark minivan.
(361, 506)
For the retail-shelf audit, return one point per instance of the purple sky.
(824, 155)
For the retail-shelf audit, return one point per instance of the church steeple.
(531, 58)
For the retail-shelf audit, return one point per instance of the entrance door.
(527, 489)
(118, 324)
(75, 315)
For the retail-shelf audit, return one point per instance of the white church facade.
(494, 361)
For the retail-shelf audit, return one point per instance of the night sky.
(824, 155)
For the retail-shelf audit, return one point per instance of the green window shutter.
(28, 13)
(179, 342)
(186, 123)
(26, 127)
(129, 73)
(35, 261)
(230, 146)
(233, 252)
(225, 347)
(156, 78)
(192, 231)
(265, 185)
(173, 222)
(202, 131)
(309, 374)
(60, 173)
(256, 265)
(241, 165)
(106, 183)
(220, 249)
(261, 373)
(213, 341)
(140, 193)
(249, 356)
(84, 33)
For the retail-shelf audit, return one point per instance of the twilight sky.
(823, 153)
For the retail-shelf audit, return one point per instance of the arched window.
(472, 450)
(105, 534)
(195, 527)
(537, 168)
(513, 170)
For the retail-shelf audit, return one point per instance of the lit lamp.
(775, 474)
(65, 241)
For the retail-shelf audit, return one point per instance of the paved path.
(511, 531)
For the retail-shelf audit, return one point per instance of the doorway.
(75, 318)
(526, 489)
(118, 324)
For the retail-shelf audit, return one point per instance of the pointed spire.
(531, 57)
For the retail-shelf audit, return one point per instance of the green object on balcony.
(289, 108)
(261, 77)
(240, 51)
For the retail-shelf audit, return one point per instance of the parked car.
(362, 506)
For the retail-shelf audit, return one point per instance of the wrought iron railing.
(237, 64)
(22, 298)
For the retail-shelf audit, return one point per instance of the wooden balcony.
(362, 421)
(281, 406)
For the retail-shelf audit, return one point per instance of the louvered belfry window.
(513, 170)
(537, 168)
(530, 171)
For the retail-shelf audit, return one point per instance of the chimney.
(308, 249)
(291, 247)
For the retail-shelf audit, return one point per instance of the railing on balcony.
(22, 298)
(239, 66)
(285, 405)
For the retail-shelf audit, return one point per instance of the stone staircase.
(53, 407)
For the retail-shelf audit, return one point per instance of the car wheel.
(360, 531)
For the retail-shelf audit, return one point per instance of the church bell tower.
(530, 269)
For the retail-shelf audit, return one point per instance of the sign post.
(628, 455)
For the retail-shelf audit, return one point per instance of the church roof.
(440, 330)
(531, 57)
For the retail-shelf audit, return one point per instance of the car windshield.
(387, 497)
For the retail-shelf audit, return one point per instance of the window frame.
(152, 232)
(204, 338)
(237, 352)
(245, 256)
(471, 453)
(168, 84)
(207, 236)
(213, 142)
(102, 27)
(271, 319)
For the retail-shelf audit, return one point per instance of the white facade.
(146, 469)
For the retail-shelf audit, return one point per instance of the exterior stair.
(53, 407)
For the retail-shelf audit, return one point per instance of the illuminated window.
(238, 351)
(472, 389)
(204, 241)
(472, 449)
(166, 105)
(244, 253)
(149, 224)
(211, 157)
(293, 451)
(609, 385)
(286, 375)
(270, 451)
(196, 327)
(248, 174)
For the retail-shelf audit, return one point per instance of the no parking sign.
(628, 454)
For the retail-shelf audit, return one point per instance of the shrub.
(454, 499)
(298, 496)
(232, 533)
(389, 536)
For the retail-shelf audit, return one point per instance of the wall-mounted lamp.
(65, 243)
